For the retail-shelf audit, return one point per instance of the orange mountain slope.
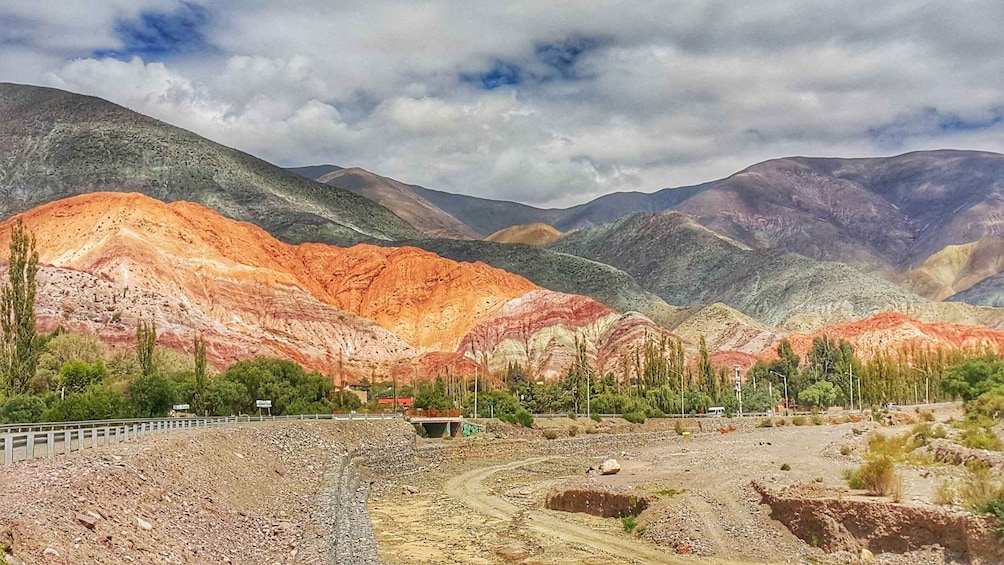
(238, 276)
(890, 331)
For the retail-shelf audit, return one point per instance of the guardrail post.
(67, 441)
(8, 449)
(80, 439)
(50, 444)
(30, 446)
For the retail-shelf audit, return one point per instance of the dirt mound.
(844, 524)
(602, 501)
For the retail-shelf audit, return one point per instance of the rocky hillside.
(559, 272)
(397, 197)
(890, 331)
(687, 264)
(117, 257)
(55, 144)
(542, 326)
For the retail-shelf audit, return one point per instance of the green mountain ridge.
(55, 144)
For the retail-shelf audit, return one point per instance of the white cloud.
(667, 94)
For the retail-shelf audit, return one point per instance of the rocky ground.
(481, 500)
(256, 493)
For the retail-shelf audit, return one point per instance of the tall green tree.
(146, 343)
(19, 358)
(200, 372)
(707, 372)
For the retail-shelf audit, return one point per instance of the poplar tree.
(19, 357)
(146, 341)
(200, 370)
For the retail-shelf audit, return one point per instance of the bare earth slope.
(529, 234)
(55, 144)
(400, 199)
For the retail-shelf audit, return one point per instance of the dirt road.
(469, 488)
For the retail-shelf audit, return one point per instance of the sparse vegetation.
(550, 433)
(635, 417)
(573, 431)
(785, 467)
(944, 493)
(629, 523)
(846, 450)
(798, 420)
(877, 476)
(766, 423)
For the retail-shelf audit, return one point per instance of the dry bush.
(550, 434)
(879, 478)
(944, 494)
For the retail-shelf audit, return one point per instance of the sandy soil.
(481, 500)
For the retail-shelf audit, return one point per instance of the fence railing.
(21, 441)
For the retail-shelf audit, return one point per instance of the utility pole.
(850, 381)
(588, 393)
(739, 392)
(476, 391)
(785, 377)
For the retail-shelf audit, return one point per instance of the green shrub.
(781, 422)
(635, 417)
(524, 418)
(678, 428)
(981, 438)
(595, 417)
(23, 408)
(846, 450)
(798, 421)
(926, 416)
(573, 416)
(939, 432)
(766, 423)
(420, 430)
(629, 523)
(817, 420)
(573, 431)
(853, 478)
(785, 467)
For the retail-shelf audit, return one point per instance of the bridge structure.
(437, 423)
(21, 442)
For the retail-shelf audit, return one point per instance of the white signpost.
(264, 404)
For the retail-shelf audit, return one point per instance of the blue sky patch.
(501, 74)
(930, 122)
(562, 56)
(158, 35)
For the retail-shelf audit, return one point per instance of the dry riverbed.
(481, 500)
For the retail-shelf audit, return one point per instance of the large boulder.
(610, 467)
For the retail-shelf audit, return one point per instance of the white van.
(716, 412)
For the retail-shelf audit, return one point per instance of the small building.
(403, 402)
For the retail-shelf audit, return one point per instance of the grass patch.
(768, 423)
(798, 420)
(573, 431)
(635, 417)
(550, 434)
(817, 420)
(785, 467)
(846, 450)
(629, 523)
(944, 493)
(670, 492)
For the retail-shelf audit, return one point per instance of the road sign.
(181, 407)
(263, 403)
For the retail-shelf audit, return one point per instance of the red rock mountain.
(131, 256)
(890, 331)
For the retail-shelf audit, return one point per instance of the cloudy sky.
(549, 103)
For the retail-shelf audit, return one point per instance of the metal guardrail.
(21, 441)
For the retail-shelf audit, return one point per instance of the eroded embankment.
(603, 502)
(847, 524)
(240, 494)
